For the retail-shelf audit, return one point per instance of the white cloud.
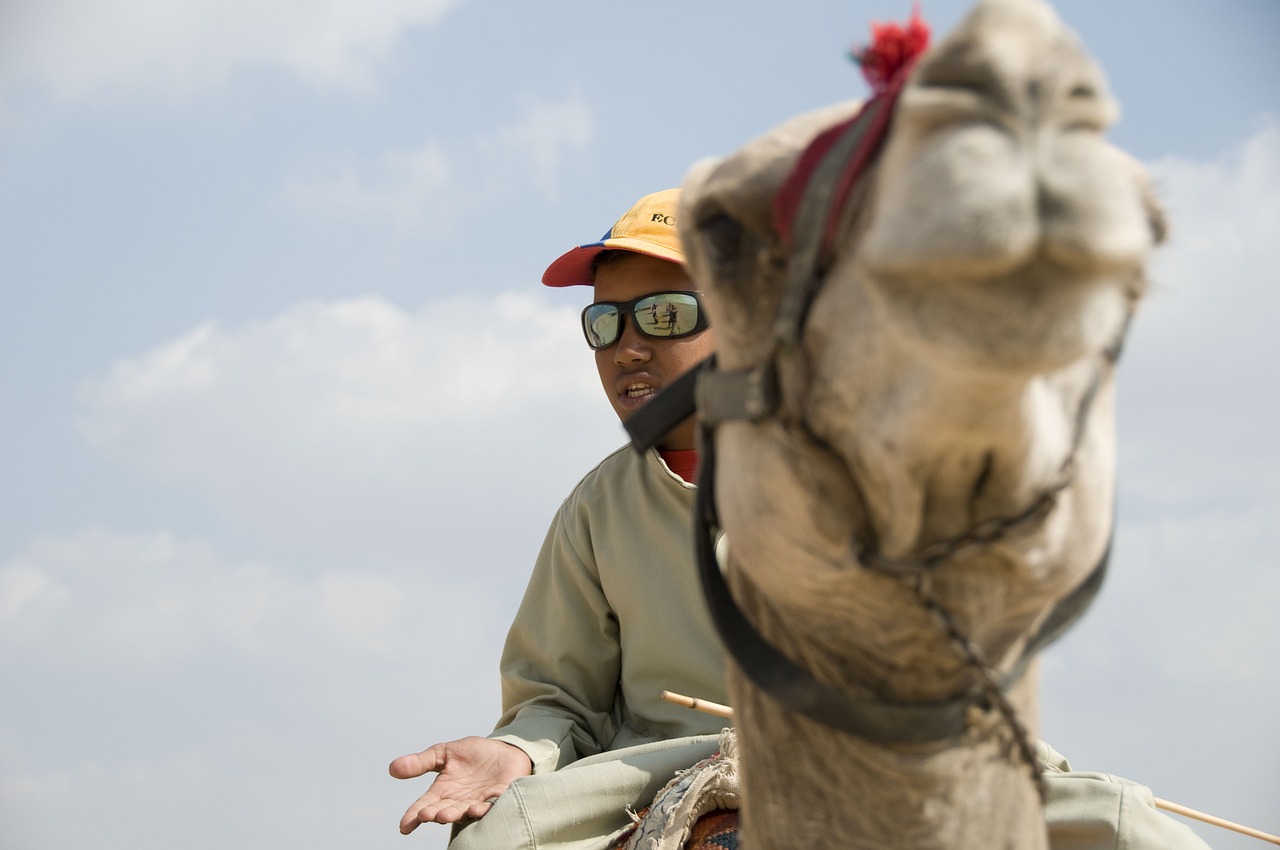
(534, 148)
(1168, 679)
(1198, 412)
(102, 599)
(158, 675)
(1222, 571)
(168, 783)
(314, 779)
(403, 189)
(409, 461)
(430, 187)
(358, 427)
(80, 49)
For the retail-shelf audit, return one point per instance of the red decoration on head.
(885, 64)
(893, 48)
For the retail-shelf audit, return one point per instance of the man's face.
(635, 367)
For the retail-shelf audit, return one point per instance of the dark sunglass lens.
(600, 324)
(668, 314)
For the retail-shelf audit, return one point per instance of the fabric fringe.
(672, 821)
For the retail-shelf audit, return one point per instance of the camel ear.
(741, 186)
(696, 179)
(719, 245)
(692, 200)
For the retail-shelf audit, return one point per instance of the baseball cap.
(649, 227)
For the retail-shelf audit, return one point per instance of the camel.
(912, 425)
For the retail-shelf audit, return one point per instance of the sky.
(285, 413)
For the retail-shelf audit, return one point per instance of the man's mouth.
(634, 392)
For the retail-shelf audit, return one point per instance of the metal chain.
(983, 534)
(972, 654)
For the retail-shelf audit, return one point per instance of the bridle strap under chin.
(797, 690)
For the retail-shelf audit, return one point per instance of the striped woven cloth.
(716, 830)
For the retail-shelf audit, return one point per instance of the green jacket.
(613, 615)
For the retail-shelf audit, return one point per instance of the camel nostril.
(975, 85)
(1083, 91)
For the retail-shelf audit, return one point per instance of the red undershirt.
(683, 462)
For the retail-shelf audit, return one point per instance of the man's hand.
(472, 773)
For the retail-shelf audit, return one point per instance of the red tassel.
(893, 48)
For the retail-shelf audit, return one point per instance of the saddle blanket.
(697, 810)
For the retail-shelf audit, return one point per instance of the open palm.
(472, 772)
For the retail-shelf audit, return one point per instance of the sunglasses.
(662, 315)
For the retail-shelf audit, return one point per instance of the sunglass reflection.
(662, 315)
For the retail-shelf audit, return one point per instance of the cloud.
(158, 675)
(1197, 405)
(534, 148)
(103, 599)
(358, 427)
(94, 49)
(402, 189)
(430, 187)
(1168, 678)
(404, 464)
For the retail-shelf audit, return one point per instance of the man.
(613, 614)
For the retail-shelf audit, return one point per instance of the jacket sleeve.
(1098, 811)
(561, 663)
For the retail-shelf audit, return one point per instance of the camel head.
(951, 371)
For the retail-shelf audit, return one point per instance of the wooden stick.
(725, 711)
(1216, 821)
(699, 704)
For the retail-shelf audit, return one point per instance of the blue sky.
(286, 412)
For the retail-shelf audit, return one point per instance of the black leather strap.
(673, 404)
(795, 688)
(750, 394)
